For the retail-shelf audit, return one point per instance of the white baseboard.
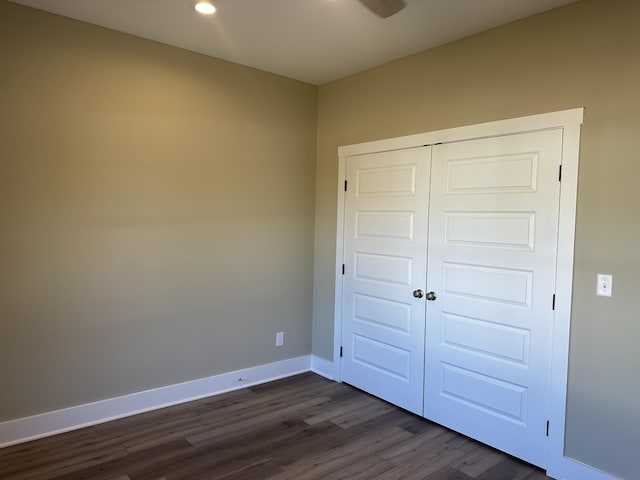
(569, 469)
(59, 421)
(322, 367)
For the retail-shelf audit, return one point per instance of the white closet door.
(385, 245)
(492, 259)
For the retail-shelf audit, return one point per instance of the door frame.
(570, 121)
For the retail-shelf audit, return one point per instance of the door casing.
(570, 122)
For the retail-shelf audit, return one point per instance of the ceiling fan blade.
(384, 8)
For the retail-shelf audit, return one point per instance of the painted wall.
(156, 206)
(585, 54)
(156, 214)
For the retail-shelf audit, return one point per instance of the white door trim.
(568, 120)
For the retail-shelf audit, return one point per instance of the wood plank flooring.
(303, 427)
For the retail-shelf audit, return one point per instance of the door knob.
(418, 293)
(431, 296)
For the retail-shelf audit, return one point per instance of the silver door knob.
(418, 293)
(431, 296)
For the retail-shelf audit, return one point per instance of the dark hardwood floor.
(303, 427)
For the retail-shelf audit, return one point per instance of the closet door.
(492, 260)
(385, 254)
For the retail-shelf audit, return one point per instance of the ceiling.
(315, 41)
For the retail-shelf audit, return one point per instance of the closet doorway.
(449, 264)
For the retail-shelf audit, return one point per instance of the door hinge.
(345, 185)
(560, 173)
(343, 268)
(340, 352)
(547, 428)
(553, 302)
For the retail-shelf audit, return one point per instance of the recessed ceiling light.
(205, 8)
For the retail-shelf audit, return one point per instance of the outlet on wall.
(279, 339)
(604, 285)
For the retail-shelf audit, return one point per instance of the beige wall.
(156, 214)
(586, 54)
(156, 206)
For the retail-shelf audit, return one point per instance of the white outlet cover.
(604, 285)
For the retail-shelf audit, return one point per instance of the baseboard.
(569, 469)
(322, 367)
(59, 421)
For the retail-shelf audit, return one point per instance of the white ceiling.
(315, 41)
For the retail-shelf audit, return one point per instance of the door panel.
(386, 213)
(492, 253)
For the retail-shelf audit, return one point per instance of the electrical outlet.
(604, 285)
(279, 339)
